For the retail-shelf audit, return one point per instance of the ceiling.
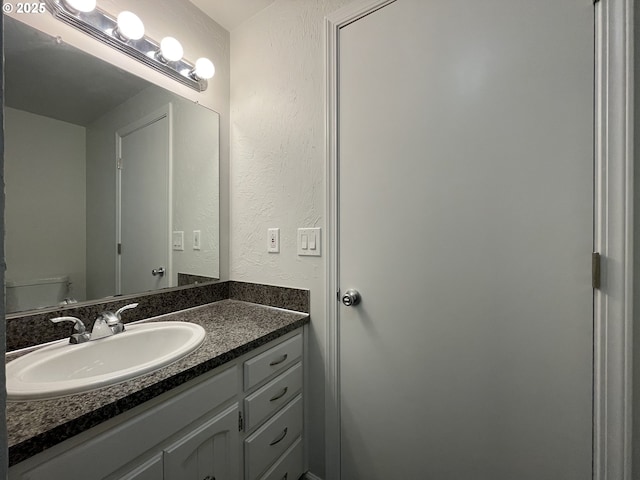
(231, 13)
(59, 81)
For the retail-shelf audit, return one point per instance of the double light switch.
(309, 241)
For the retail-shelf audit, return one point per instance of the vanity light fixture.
(170, 50)
(125, 33)
(129, 27)
(204, 69)
(80, 5)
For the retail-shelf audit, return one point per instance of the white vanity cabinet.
(240, 421)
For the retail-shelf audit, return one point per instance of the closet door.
(465, 223)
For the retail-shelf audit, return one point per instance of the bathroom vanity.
(232, 409)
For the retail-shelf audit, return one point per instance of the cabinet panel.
(289, 466)
(209, 451)
(150, 470)
(274, 360)
(259, 405)
(273, 438)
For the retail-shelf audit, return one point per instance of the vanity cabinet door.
(209, 452)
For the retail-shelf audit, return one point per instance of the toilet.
(37, 293)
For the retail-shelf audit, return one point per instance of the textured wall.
(45, 211)
(277, 170)
(200, 36)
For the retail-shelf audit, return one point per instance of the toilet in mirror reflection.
(37, 293)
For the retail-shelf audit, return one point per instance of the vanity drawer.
(273, 395)
(273, 360)
(272, 439)
(289, 467)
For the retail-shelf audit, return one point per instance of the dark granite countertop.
(233, 329)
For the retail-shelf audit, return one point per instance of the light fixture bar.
(100, 25)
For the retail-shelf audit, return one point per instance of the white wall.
(195, 186)
(200, 36)
(45, 199)
(277, 171)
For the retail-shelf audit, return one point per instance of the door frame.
(613, 239)
(613, 235)
(165, 111)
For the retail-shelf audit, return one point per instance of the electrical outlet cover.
(273, 240)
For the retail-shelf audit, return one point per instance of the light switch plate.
(196, 239)
(309, 242)
(177, 241)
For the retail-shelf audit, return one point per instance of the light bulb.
(170, 49)
(84, 6)
(130, 27)
(204, 69)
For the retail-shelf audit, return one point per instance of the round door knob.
(158, 271)
(350, 298)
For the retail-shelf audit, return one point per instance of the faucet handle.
(109, 318)
(113, 320)
(81, 334)
(126, 307)
(79, 326)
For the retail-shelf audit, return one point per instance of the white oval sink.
(62, 369)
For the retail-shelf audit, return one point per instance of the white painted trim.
(333, 24)
(613, 238)
(165, 111)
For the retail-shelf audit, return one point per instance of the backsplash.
(188, 279)
(35, 328)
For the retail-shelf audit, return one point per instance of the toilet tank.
(37, 293)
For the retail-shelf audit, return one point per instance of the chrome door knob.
(158, 271)
(350, 298)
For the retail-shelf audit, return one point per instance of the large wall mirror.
(112, 183)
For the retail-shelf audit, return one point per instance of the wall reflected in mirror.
(109, 179)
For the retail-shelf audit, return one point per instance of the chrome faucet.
(112, 321)
(106, 325)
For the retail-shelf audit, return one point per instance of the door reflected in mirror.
(109, 179)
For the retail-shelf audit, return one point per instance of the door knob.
(351, 298)
(158, 271)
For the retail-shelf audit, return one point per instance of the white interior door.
(465, 185)
(144, 206)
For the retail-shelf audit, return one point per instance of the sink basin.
(62, 369)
